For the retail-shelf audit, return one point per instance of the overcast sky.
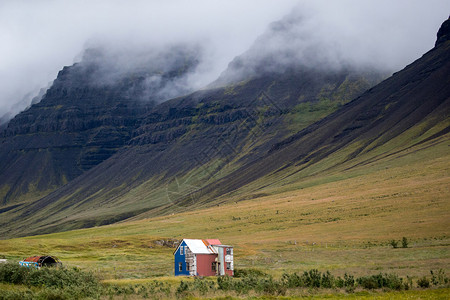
(39, 37)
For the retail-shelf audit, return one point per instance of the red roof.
(213, 242)
(33, 258)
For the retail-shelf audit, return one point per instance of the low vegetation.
(47, 283)
(342, 222)
(73, 283)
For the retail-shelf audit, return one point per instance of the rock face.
(406, 110)
(79, 123)
(199, 148)
(443, 34)
(92, 152)
(206, 134)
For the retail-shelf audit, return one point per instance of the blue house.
(195, 257)
(180, 260)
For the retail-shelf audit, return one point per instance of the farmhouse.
(195, 257)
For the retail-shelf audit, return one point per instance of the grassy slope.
(90, 204)
(338, 220)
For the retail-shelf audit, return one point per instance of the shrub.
(15, 294)
(393, 282)
(292, 280)
(225, 283)
(183, 287)
(251, 282)
(390, 281)
(73, 282)
(369, 282)
(270, 286)
(408, 283)
(349, 281)
(13, 273)
(439, 278)
(404, 242)
(202, 285)
(327, 280)
(339, 282)
(312, 278)
(242, 287)
(393, 243)
(423, 282)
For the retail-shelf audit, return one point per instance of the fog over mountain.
(40, 37)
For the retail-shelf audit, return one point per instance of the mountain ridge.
(78, 123)
(247, 138)
(240, 119)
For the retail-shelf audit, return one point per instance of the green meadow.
(344, 224)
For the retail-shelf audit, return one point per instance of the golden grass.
(343, 225)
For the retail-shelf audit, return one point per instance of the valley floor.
(345, 225)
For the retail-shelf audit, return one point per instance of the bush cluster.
(404, 241)
(72, 283)
(390, 281)
(262, 283)
(316, 279)
(64, 282)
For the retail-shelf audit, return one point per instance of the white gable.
(198, 247)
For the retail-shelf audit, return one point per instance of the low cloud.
(331, 35)
(153, 73)
(40, 37)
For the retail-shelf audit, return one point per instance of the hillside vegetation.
(342, 223)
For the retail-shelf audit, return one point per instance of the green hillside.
(338, 223)
(193, 140)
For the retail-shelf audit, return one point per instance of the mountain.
(88, 113)
(143, 149)
(202, 136)
(405, 113)
(242, 138)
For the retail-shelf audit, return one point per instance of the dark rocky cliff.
(204, 147)
(443, 34)
(80, 122)
(202, 136)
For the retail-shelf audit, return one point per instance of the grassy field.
(342, 226)
(343, 222)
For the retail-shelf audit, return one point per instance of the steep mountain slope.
(202, 136)
(87, 114)
(408, 110)
(157, 155)
(230, 143)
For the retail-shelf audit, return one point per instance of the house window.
(188, 267)
(180, 266)
(228, 251)
(181, 250)
(228, 266)
(213, 266)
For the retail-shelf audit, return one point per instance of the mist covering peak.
(155, 74)
(295, 42)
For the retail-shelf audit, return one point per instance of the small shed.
(195, 257)
(40, 261)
